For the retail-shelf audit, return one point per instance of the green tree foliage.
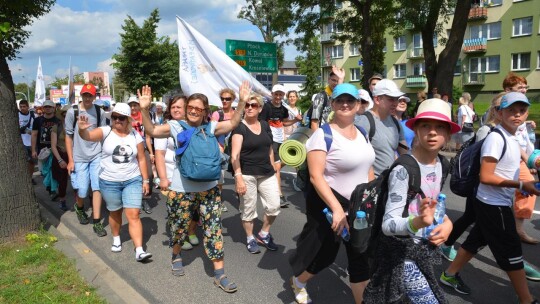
(144, 58)
(309, 65)
(429, 17)
(364, 23)
(19, 211)
(59, 81)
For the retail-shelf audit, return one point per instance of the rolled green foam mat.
(293, 151)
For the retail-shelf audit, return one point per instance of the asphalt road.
(263, 278)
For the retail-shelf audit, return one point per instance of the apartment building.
(501, 36)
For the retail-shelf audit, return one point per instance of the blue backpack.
(198, 152)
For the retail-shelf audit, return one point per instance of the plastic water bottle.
(344, 233)
(531, 133)
(439, 214)
(360, 221)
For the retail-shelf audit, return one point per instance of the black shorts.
(275, 147)
(496, 227)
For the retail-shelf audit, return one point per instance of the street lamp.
(22, 94)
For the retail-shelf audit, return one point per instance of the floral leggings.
(181, 206)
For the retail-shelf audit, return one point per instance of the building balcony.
(474, 79)
(478, 13)
(326, 37)
(476, 45)
(326, 62)
(415, 53)
(416, 81)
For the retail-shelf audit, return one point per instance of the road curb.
(91, 267)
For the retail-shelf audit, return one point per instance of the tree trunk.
(450, 55)
(19, 211)
(428, 32)
(365, 42)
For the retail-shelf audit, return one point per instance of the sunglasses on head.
(226, 98)
(254, 105)
(118, 117)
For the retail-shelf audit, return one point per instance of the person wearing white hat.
(401, 114)
(385, 132)
(123, 178)
(278, 117)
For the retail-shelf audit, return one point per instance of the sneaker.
(530, 272)
(300, 294)
(63, 206)
(142, 257)
(448, 252)
(267, 242)
(81, 216)
(116, 248)
(53, 196)
(193, 240)
(186, 246)
(99, 230)
(283, 202)
(295, 186)
(252, 247)
(455, 282)
(145, 207)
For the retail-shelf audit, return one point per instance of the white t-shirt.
(398, 184)
(167, 145)
(180, 183)
(468, 112)
(348, 161)
(522, 136)
(119, 156)
(507, 167)
(23, 121)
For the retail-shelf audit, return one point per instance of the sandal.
(177, 267)
(230, 287)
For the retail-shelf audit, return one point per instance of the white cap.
(122, 109)
(278, 88)
(132, 99)
(407, 99)
(364, 95)
(387, 87)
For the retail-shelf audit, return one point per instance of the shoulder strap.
(30, 119)
(413, 169)
(371, 121)
(445, 169)
(75, 115)
(184, 125)
(504, 140)
(396, 122)
(327, 136)
(98, 114)
(221, 115)
(363, 131)
(103, 140)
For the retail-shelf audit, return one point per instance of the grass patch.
(480, 107)
(33, 271)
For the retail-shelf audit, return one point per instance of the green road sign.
(253, 56)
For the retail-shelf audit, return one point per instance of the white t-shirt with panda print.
(119, 156)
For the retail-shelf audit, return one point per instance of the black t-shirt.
(255, 152)
(274, 116)
(44, 127)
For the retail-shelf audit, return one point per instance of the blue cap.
(98, 102)
(345, 88)
(512, 97)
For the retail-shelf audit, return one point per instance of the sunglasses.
(252, 105)
(198, 110)
(118, 117)
(226, 98)
(345, 100)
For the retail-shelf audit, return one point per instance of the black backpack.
(466, 166)
(302, 176)
(371, 197)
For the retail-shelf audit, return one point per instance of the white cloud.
(105, 66)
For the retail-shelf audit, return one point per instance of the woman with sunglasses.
(123, 178)
(186, 196)
(252, 159)
(334, 173)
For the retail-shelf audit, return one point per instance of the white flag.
(204, 68)
(40, 87)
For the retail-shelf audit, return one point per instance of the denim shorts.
(87, 176)
(118, 195)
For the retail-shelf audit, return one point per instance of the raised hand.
(83, 122)
(340, 73)
(145, 97)
(245, 90)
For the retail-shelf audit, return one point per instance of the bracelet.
(237, 174)
(60, 161)
(146, 181)
(411, 225)
(520, 185)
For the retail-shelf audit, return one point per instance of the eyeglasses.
(252, 105)
(226, 98)
(198, 110)
(345, 100)
(118, 117)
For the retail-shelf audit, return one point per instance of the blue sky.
(89, 32)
